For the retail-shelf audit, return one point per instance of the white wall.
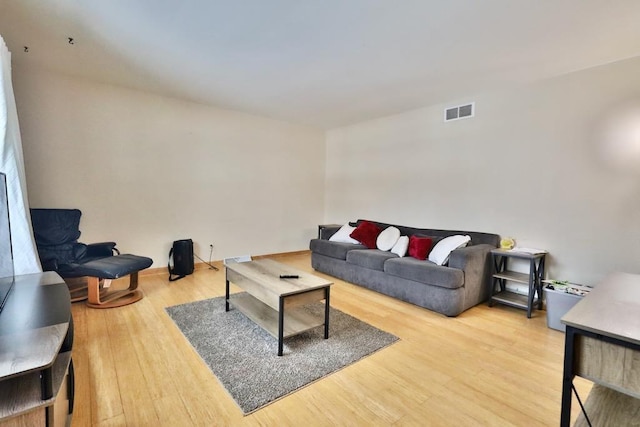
(146, 170)
(527, 166)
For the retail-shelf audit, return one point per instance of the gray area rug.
(244, 356)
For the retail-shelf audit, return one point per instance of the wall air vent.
(459, 112)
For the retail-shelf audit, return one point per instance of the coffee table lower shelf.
(296, 320)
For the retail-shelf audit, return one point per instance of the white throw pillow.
(343, 235)
(401, 246)
(440, 252)
(387, 238)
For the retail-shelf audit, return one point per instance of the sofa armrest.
(475, 262)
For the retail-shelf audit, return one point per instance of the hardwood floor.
(488, 366)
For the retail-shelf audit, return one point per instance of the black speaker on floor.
(181, 254)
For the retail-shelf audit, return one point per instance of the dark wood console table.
(35, 353)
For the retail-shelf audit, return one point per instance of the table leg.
(502, 267)
(540, 279)
(46, 383)
(326, 312)
(567, 377)
(532, 287)
(280, 326)
(226, 293)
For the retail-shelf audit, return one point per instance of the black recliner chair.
(56, 232)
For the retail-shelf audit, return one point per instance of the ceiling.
(323, 63)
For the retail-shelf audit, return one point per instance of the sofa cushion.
(366, 233)
(419, 247)
(373, 259)
(441, 251)
(425, 272)
(388, 238)
(333, 249)
(343, 235)
(401, 246)
(476, 238)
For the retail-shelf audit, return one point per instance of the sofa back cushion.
(477, 238)
(388, 238)
(440, 253)
(419, 247)
(401, 246)
(367, 233)
(343, 235)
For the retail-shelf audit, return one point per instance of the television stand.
(36, 370)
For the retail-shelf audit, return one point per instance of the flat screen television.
(7, 277)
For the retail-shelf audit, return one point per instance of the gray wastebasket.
(560, 300)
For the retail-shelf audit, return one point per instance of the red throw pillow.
(419, 247)
(366, 233)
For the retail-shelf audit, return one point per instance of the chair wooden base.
(99, 296)
(77, 288)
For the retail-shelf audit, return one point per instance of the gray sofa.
(448, 289)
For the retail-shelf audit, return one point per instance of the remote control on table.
(289, 276)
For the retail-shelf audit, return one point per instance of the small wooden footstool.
(102, 271)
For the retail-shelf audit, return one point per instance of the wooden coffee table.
(274, 303)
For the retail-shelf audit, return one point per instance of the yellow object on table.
(507, 243)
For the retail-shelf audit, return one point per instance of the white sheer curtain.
(12, 164)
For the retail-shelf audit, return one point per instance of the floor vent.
(459, 112)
